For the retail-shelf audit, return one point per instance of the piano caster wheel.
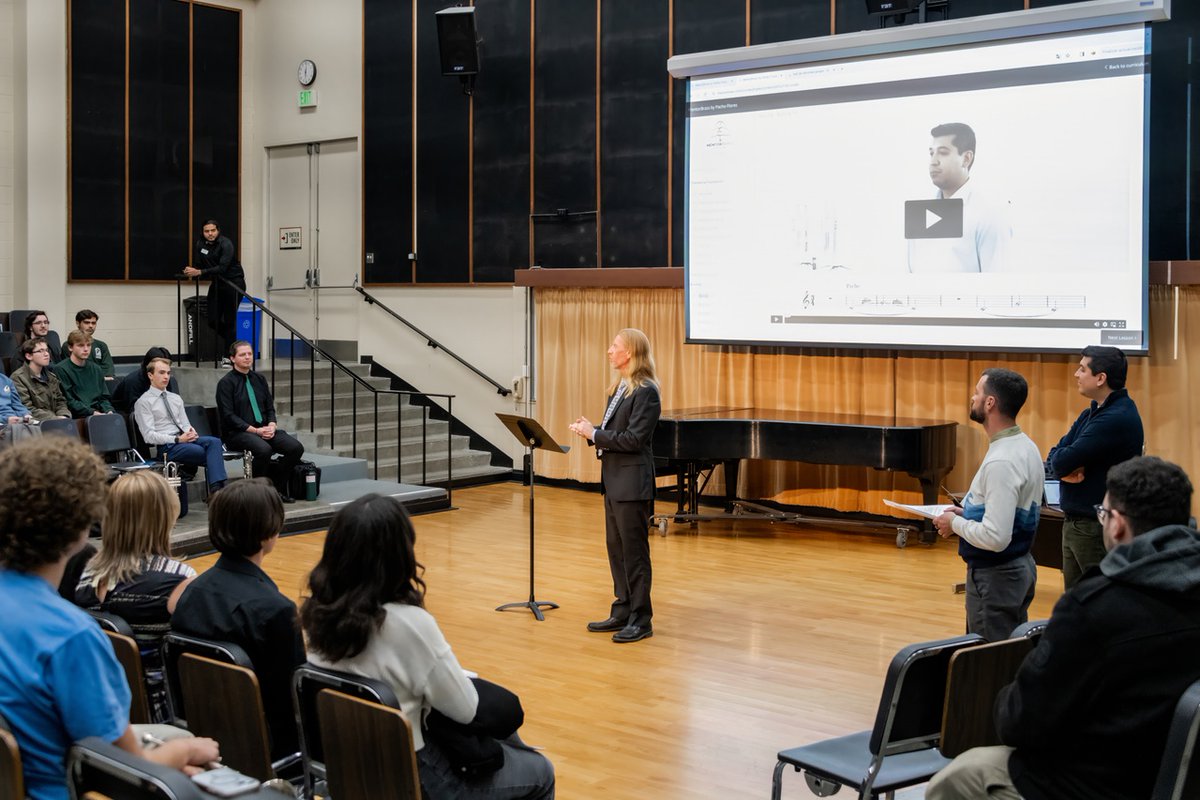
(662, 527)
(901, 537)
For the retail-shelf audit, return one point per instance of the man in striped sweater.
(999, 515)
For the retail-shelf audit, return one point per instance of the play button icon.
(933, 219)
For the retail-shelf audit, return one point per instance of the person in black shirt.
(216, 259)
(247, 413)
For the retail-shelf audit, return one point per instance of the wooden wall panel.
(784, 20)
(500, 129)
(97, 140)
(700, 25)
(634, 85)
(387, 140)
(159, 244)
(564, 155)
(216, 124)
(443, 168)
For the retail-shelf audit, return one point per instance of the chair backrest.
(111, 622)
(976, 676)
(10, 344)
(12, 779)
(910, 707)
(108, 433)
(94, 765)
(176, 644)
(1030, 630)
(16, 323)
(370, 748)
(224, 703)
(61, 427)
(307, 683)
(1179, 774)
(127, 652)
(198, 417)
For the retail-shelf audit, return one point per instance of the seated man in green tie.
(247, 413)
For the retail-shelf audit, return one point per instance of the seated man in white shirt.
(161, 418)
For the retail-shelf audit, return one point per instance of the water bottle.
(310, 486)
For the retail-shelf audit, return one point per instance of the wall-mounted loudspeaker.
(458, 43)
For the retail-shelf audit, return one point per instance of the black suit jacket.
(627, 460)
(235, 601)
(233, 403)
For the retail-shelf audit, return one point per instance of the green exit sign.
(308, 98)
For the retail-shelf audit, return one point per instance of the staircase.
(409, 439)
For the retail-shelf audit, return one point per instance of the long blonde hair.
(640, 368)
(140, 512)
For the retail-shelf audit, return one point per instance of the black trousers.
(627, 527)
(263, 449)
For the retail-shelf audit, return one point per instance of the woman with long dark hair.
(365, 615)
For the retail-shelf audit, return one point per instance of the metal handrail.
(370, 299)
(334, 364)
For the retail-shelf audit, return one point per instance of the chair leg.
(777, 781)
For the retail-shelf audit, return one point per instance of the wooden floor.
(765, 637)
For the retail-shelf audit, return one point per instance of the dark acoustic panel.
(387, 140)
(1044, 3)
(634, 85)
(501, 180)
(784, 20)
(97, 148)
(851, 15)
(700, 25)
(1175, 72)
(443, 150)
(216, 127)
(564, 150)
(158, 138)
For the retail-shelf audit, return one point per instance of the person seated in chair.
(82, 381)
(12, 410)
(247, 413)
(86, 321)
(37, 326)
(59, 679)
(235, 601)
(39, 387)
(161, 418)
(135, 383)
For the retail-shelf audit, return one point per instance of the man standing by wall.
(999, 515)
(216, 259)
(1088, 713)
(1107, 433)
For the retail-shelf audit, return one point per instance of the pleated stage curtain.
(575, 327)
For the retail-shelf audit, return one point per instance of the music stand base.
(533, 605)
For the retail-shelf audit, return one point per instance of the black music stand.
(531, 434)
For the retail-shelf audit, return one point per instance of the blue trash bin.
(250, 324)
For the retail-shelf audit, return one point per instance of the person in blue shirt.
(12, 410)
(59, 679)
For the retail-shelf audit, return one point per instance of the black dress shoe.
(633, 633)
(286, 498)
(610, 624)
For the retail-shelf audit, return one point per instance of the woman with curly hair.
(365, 615)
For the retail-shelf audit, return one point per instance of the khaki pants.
(981, 772)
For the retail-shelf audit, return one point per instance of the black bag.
(473, 749)
(298, 480)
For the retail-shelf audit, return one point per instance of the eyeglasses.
(37, 350)
(1102, 512)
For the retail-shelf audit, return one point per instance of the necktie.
(258, 418)
(170, 413)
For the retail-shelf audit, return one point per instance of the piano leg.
(931, 484)
(731, 484)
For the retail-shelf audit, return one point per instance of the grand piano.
(692, 441)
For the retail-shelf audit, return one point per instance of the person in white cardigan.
(365, 615)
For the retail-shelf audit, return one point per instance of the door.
(313, 241)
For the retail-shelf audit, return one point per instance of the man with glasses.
(1088, 713)
(39, 388)
(37, 326)
(1108, 432)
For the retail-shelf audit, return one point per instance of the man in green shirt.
(82, 380)
(86, 321)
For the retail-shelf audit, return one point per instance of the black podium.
(530, 434)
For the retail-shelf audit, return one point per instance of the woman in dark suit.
(622, 441)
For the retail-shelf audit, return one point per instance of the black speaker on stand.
(458, 44)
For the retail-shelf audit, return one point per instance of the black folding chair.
(1179, 774)
(94, 765)
(61, 427)
(199, 418)
(899, 750)
(307, 683)
(108, 435)
(1030, 630)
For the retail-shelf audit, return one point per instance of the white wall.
(485, 325)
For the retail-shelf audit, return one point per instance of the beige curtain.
(575, 326)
